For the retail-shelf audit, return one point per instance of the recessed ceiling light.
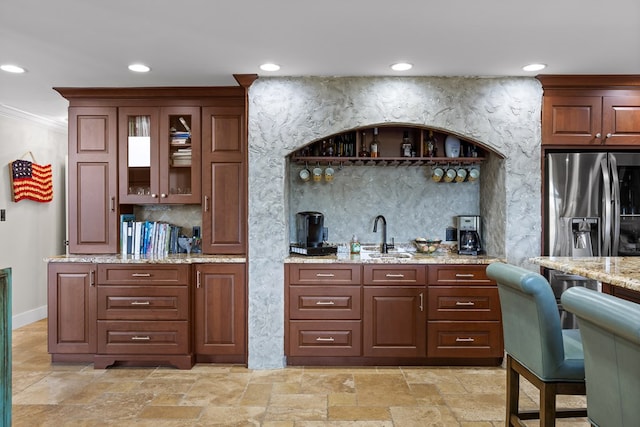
(401, 66)
(269, 67)
(9, 68)
(534, 67)
(139, 68)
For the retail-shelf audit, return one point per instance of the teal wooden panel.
(5, 346)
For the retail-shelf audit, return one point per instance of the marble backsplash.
(413, 205)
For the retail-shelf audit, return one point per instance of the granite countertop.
(616, 271)
(395, 258)
(148, 259)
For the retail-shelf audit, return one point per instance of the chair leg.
(513, 393)
(548, 393)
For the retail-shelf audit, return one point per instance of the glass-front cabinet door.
(159, 155)
(180, 155)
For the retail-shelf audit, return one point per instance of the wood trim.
(585, 81)
(159, 92)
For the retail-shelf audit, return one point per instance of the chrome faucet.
(385, 247)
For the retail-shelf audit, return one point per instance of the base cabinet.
(464, 314)
(339, 314)
(71, 311)
(147, 314)
(394, 316)
(219, 318)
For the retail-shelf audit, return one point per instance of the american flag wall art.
(31, 181)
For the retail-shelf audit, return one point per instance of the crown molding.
(15, 113)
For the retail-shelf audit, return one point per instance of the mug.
(450, 175)
(474, 174)
(317, 174)
(328, 174)
(461, 175)
(436, 174)
(305, 175)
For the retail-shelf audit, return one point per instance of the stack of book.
(181, 157)
(180, 138)
(148, 237)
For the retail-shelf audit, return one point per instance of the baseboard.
(28, 317)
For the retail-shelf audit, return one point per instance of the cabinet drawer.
(463, 303)
(125, 274)
(324, 302)
(388, 274)
(464, 339)
(309, 274)
(327, 338)
(143, 302)
(140, 337)
(452, 274)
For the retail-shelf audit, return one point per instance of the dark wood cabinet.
(171, 145)
(591, 110)
(390, 314)
(71, 305)
(394, 311)
(143, 315)
(154, 166)
(464, 314)
(220, 313)
(224, 186)
(394, 321)
(92, 180)
(324, 309)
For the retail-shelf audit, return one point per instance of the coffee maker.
(469, 235)
(310, 235)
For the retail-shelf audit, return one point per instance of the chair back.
(610, 329)
(531, 324)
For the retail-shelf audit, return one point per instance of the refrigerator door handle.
(615, 189)
(606, 209)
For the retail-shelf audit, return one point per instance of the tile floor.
(212, 395)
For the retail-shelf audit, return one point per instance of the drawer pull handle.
(137, 338)
(325, 275)
(395, 276)
(325, 303)
(328, 339)
(467, 276)
(140, 303)
(464, 339)
(141, 275)
(468, 303)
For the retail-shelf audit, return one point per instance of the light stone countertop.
(374, 258)
(148, 259)
(616, 271)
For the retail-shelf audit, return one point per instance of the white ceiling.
(89, 43)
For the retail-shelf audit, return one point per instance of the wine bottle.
(374, 144)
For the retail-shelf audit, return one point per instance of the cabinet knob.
(154, 195)
(598, 135)
(609, 135)
(163, 195)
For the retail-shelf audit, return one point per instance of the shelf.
(388, 161)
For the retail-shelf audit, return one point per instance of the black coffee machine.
(311, 234)
(469, 237)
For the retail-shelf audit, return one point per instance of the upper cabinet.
(591, 110)
(159, 155)
(390, 145)
(92, 171)
(145, 146)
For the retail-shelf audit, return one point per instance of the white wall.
(32, 230)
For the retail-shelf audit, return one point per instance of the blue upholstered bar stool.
(536, 346)
(610, 329)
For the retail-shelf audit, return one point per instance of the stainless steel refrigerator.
(592, 208)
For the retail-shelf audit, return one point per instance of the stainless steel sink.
(391, 255)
